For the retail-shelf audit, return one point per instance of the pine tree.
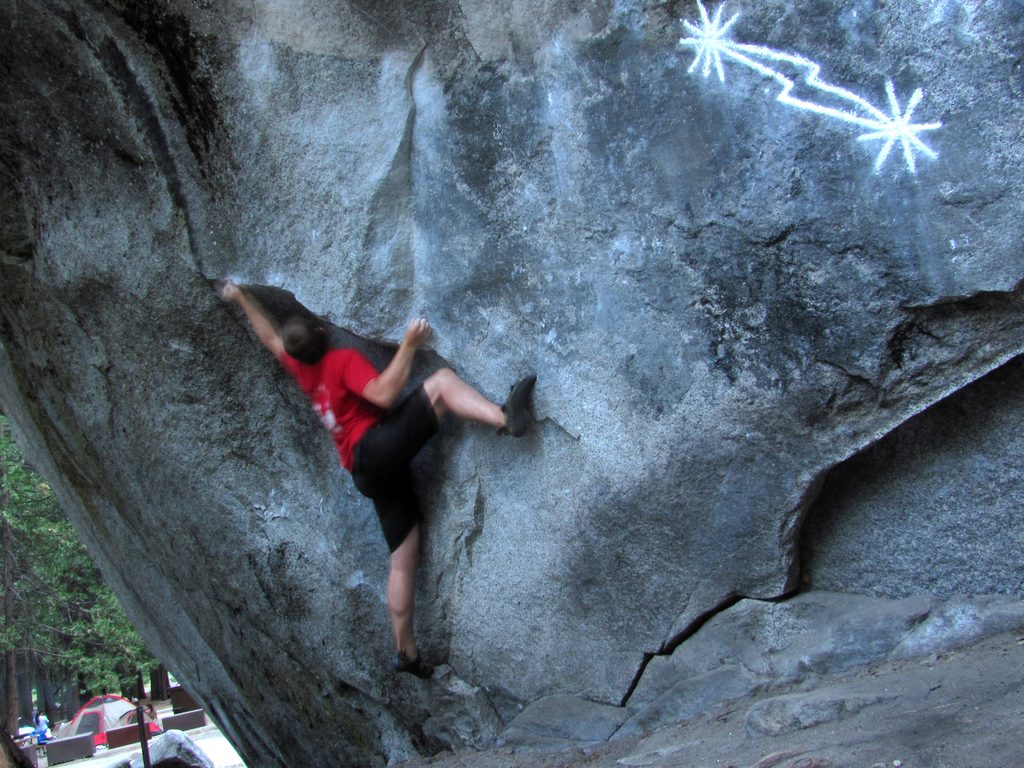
(58, 616)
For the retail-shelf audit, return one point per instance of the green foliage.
(64, 615)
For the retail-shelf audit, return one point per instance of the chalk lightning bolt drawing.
(712, 42)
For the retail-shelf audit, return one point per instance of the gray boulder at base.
(171, 749)
(758, 644)
(174, 749)
(561, 722)
(793, 712)
(724, 294)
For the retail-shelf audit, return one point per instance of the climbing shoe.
(517, 409)
(417, 666)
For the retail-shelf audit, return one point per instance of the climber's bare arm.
(383, 390)
(262, 325)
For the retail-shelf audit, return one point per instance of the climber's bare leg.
(450, 394)
(402, 592)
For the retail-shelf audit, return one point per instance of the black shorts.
(380, 467)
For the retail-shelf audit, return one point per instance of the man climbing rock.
(377, 438)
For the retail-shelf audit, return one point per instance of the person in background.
(42, 731)
(149, 712)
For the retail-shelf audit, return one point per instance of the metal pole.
(143, 734)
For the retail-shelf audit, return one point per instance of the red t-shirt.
(334, 385)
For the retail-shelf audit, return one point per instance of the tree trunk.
(159, 683)
(11, 755)
(10, 654)
(126, 681)
(140, 685)
(25, 702)
(46, 702)
(72, 699)
(82, 694)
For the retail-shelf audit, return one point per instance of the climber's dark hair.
(304, 339)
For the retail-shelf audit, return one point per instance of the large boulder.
(171, 749)
(760, 645)
(736, 251)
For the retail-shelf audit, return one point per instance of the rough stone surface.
(796, 711)
(757, 644)
(931, 508)
(683, 696)
(171, 749)
(960, 708)
(560, 722)
(174, 749)
(722, 298)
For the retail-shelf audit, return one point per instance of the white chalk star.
(802, 87)
(899, 128)
(709, 39)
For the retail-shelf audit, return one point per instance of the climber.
(377, 438)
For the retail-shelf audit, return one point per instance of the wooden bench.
(31, 754)
(181, 700)
(71, 748)
(185, 721)
(123, 736)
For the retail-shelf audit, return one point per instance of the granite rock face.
(731, 274)
(931, 508)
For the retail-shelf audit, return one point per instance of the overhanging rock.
(724, 293)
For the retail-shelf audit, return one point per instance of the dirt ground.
(963, 709)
